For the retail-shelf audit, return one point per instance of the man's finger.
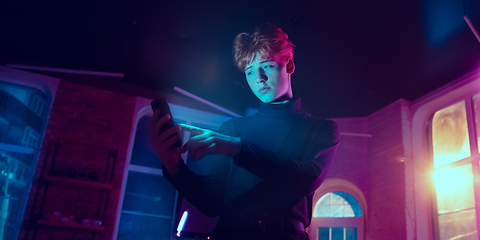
(191, 142)
(158, 124)
(155, 118)
(168, 134)
(211, 148)
(192, 129)
(187, 145)
(201, 146)
(170, 141)
(204, 151)
(205, 137)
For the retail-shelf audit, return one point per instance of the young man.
(265, 167)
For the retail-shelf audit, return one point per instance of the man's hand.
(161, 142)
(208, 141)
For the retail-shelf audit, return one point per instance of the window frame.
(338, 184)
(49, 86)
(419, 170)
(473, 159)
(143, 108)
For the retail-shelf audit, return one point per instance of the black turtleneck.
(285, 155)
(289, 108)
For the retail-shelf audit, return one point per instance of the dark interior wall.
(88, 122)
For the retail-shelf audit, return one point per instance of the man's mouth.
(264, 90)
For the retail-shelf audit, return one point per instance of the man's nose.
(261, 77)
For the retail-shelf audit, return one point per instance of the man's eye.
(268, 66)
(249, 73)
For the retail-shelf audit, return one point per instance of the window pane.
(323, 233)
(458, 225)
(142, 153)
(149, 194)
(456, 203)
(322, 208)
(354, 206)
(476, 105)
(148, 207)
(350, 233)
(337, 204)
(454, 188)
(337, 233)
(143, 227)
(450, 135)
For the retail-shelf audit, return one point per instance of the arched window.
(337, 204)
(337, 213)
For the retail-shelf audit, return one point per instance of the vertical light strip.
(182, 223)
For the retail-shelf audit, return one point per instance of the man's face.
(269, 78)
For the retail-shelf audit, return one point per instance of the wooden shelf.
(78, 183)
(70, 225)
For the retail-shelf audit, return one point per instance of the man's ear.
(290, 66)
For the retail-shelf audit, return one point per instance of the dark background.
(352, 57)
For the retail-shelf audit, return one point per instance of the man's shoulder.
(231, 126)
(321, 124)
(313, 119)
(235, 125)
(328, 127)
(238, 120)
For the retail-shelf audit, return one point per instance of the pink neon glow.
(182, 223)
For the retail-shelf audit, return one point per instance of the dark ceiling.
(352, 57)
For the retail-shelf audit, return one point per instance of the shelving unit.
(61, 181)
(82, 185)
(70, 225)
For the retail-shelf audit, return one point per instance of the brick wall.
(88, 122)
(372, 154)
(351, 160)
(388, 151)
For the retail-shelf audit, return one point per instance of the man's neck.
(283, 102)
(283, 99)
